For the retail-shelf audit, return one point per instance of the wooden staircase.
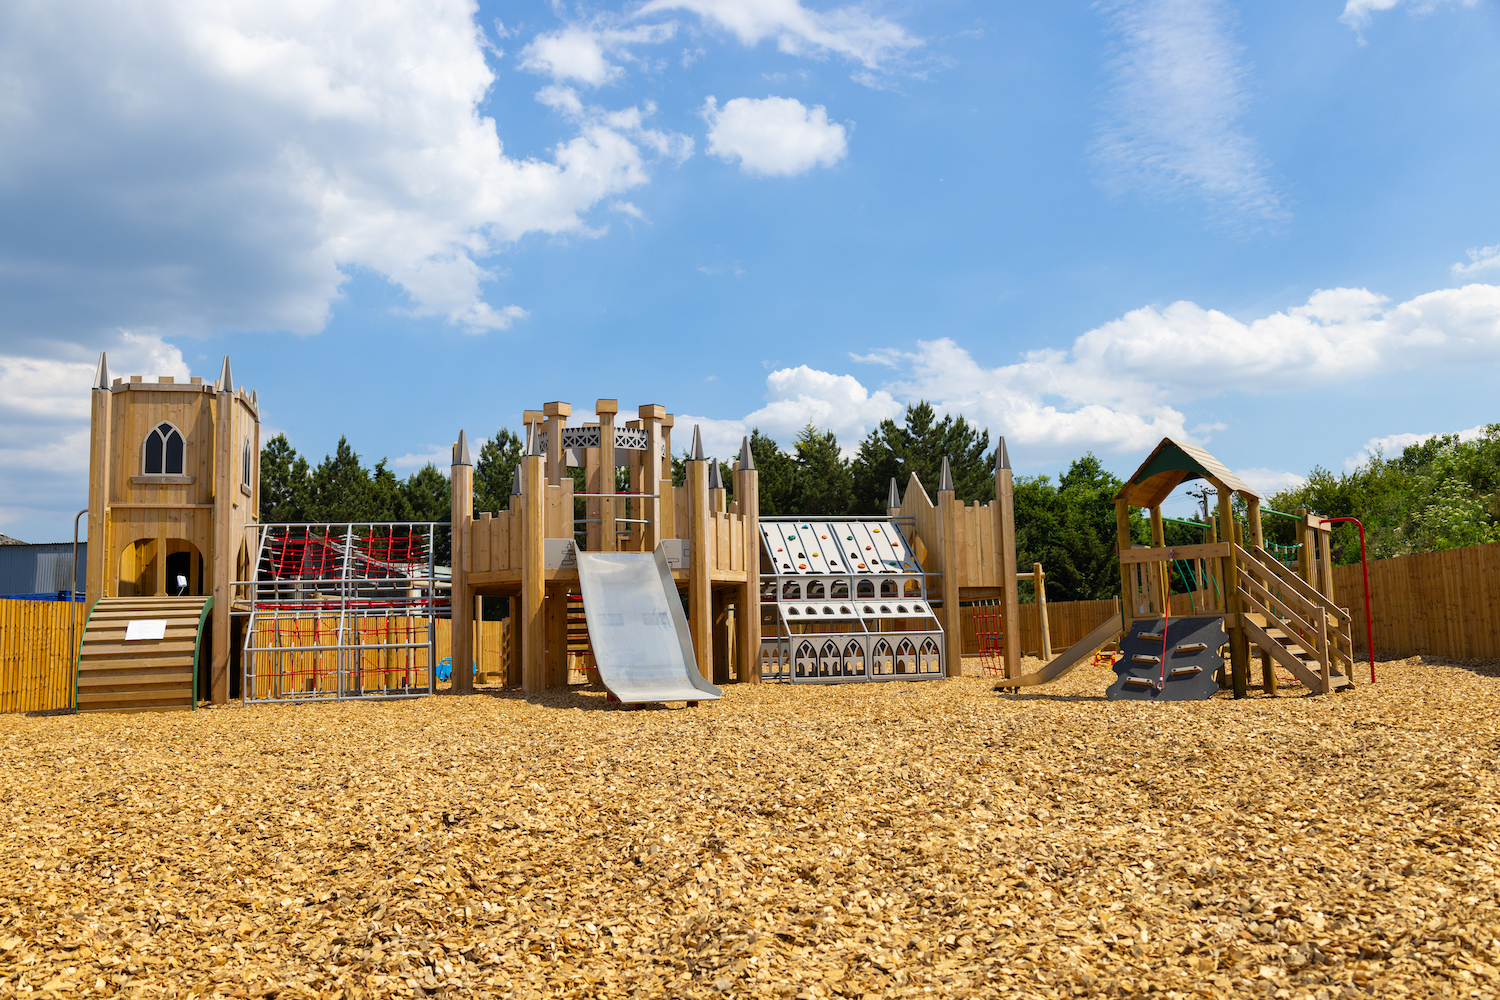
(141, 675)
(1289, 619)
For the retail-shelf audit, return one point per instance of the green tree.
(341, 488)
(284, 482)
(495, 470)
(428, 495)
(776, 474)
(918, 445)
(823, 486)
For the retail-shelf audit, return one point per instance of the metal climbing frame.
(336, 611)
(845, 601)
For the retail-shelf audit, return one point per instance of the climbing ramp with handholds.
(140, 654)
(1177, 666)
(845, 601)
(640, 635)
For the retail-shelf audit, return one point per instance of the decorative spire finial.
(747, 460)
(226, 381)
(101, 377)
(715, 481)
(945, 479)
(697, 454)
(1002, 457)
(461, 451)
(893, 499)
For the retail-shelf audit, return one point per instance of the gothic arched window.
(164, 451)
(245, 464)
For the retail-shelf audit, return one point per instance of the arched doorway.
(151, 567)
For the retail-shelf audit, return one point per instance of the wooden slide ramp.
(1071, 657)
(141, 675)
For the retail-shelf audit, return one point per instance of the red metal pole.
(1364, 566)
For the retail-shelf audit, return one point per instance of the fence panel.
(36, 654)
(1431, 603)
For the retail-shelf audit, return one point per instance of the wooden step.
(146, 675)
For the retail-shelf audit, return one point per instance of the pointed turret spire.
(945, 478)
(1002, 457)
(226, 380)
(254, 399)
(893, 500)
(461, 451)
(533, 439)
(697, 453)
(715, 481)
(101, 377)
(747, 460)
(515, 483)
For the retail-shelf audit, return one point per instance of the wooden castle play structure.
(174, 473)
(192, 598)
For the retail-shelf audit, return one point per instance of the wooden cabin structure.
(1288, 616)
(174, 474)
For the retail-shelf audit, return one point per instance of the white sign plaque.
(152, 629)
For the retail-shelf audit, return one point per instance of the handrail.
(1303, 589)
(1308, 610)
(1300, 625)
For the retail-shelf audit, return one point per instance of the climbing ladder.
(151, 668)
(1289, 620)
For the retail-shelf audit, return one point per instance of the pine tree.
(284, 482)
(495, 471)
(341, 489)
(777, 472)
(823, 485)
(919, 445)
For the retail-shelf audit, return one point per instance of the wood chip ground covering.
(925, 840)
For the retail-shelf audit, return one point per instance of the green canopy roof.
(1171, 465)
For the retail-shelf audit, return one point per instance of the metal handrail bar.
(850, 517)
(649, 496)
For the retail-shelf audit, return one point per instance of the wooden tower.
(174, 473)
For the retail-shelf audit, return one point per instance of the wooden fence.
(36, 658)
(1432, 603)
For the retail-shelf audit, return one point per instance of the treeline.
(1068, 526)
(1440, 494)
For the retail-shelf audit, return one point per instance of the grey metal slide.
(638, 630)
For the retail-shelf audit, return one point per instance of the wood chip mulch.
(926, 840)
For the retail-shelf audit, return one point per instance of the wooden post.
(608, 540)
(1239, 643)
(1252, 515)
(1163, 595)
(222, 556)
(668, 508)
(700, 609)
(1325, 557)
(461, 515)
(1127, 576)
(533, 592)
(556, 415)
(1004, 509)
(721, 636)
(556, 611)
(651, 416)
(1267, 674)
(747, 613)
(513, 658)
(97, 568)
(1304, 549)
(1039, 585)
(593, 478)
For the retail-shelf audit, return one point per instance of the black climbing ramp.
(1192, 649)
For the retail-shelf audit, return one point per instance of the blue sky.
(1270, 228)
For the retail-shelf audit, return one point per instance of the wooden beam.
(700, 595)
(1128, 608)
(1163, 554)
(953, 638)
(1004, 513)
(747, 614)
(533, 528)
(1039, 585)
(608, 540)
(461, 604)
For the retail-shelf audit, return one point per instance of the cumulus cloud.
(581, 53)
(774, 137)
(1174, 113)
(1480, 259)
(1270, 481)
(854, 33)
(188, 167)
(1391, 445)
(44, 422)
(1126, 384)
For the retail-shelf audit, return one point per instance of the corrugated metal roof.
(40, 569)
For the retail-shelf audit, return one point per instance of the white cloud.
(44, 423)
(1270, 481)
(1357, 12)
(1174, 114)
(581, 53)
(1391, 445)
(852, 32)
(1124, 385)
(626, 208)
(774, 137)
(190, 167)
(1480, 259)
